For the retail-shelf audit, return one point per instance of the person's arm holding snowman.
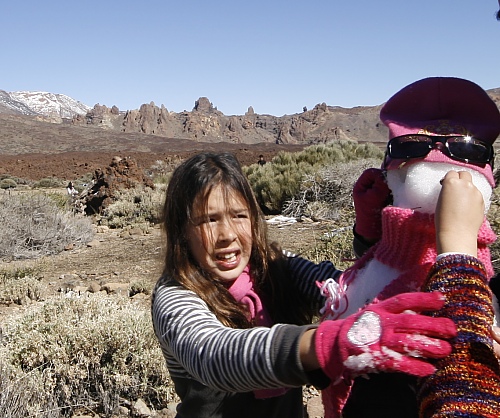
(459, 214)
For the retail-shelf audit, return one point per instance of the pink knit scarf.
(409, 244)
(242, 290)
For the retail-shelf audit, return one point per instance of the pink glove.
(385, 336)
(370, 194)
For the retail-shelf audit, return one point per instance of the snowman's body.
(400, 261)
(435, 125)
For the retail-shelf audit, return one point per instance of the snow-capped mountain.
(41, 103)
(11, 106)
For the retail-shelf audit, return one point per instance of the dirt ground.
(128, 256)
(72, 165)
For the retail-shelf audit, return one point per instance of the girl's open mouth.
(228, 260)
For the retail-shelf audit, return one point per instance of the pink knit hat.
(442, 106)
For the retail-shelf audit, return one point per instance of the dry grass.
(93, 351)
(32, 225)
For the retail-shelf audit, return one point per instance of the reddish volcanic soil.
(72, 165)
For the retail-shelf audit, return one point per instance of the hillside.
(34, 145)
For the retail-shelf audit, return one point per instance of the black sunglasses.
(460, 148)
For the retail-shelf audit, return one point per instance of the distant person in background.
(261, 161)
(71, 189)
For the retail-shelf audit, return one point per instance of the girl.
(232, 313)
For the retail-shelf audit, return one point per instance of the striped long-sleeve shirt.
(215, 368)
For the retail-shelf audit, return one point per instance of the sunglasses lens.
(469, 149)
(410, 146)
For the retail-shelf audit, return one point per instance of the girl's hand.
(459, 214)
(390, 336)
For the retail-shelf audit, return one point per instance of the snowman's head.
(436, 125)
(417, 186)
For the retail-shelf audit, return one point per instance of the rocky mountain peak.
(39, 103)
(321, 124)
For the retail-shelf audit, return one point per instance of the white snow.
(43, 103)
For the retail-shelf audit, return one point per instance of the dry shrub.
(21, 284)
(32, 225)
(334, 246)
(24, 395)
(327, 194)
(88, 351)
(137, 206)
(282, 179)
(161, 170)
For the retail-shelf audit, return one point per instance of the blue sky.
(276, 56)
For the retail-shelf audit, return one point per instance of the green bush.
(92, 351)
(48, 183)
(274, 184)
(140, 286)
(61, 200)
(282, 179)
(7, 184)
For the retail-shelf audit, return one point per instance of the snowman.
(435, 125)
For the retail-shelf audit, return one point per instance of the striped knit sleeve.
(467, 382)
(197, 346)
(305, 274)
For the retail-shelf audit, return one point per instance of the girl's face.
(220, 238)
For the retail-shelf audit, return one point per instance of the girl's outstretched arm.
(462, 278)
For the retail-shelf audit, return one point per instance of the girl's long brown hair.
(191, 184)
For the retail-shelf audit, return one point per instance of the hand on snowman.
(388, 336)
(459, 214)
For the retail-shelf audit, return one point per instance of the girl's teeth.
(227, 256)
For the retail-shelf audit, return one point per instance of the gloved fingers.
(409, 365)
(423, 325)
(415, 301)
(368, 179)
(370, 195)
(374, 191)
(417, 345)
